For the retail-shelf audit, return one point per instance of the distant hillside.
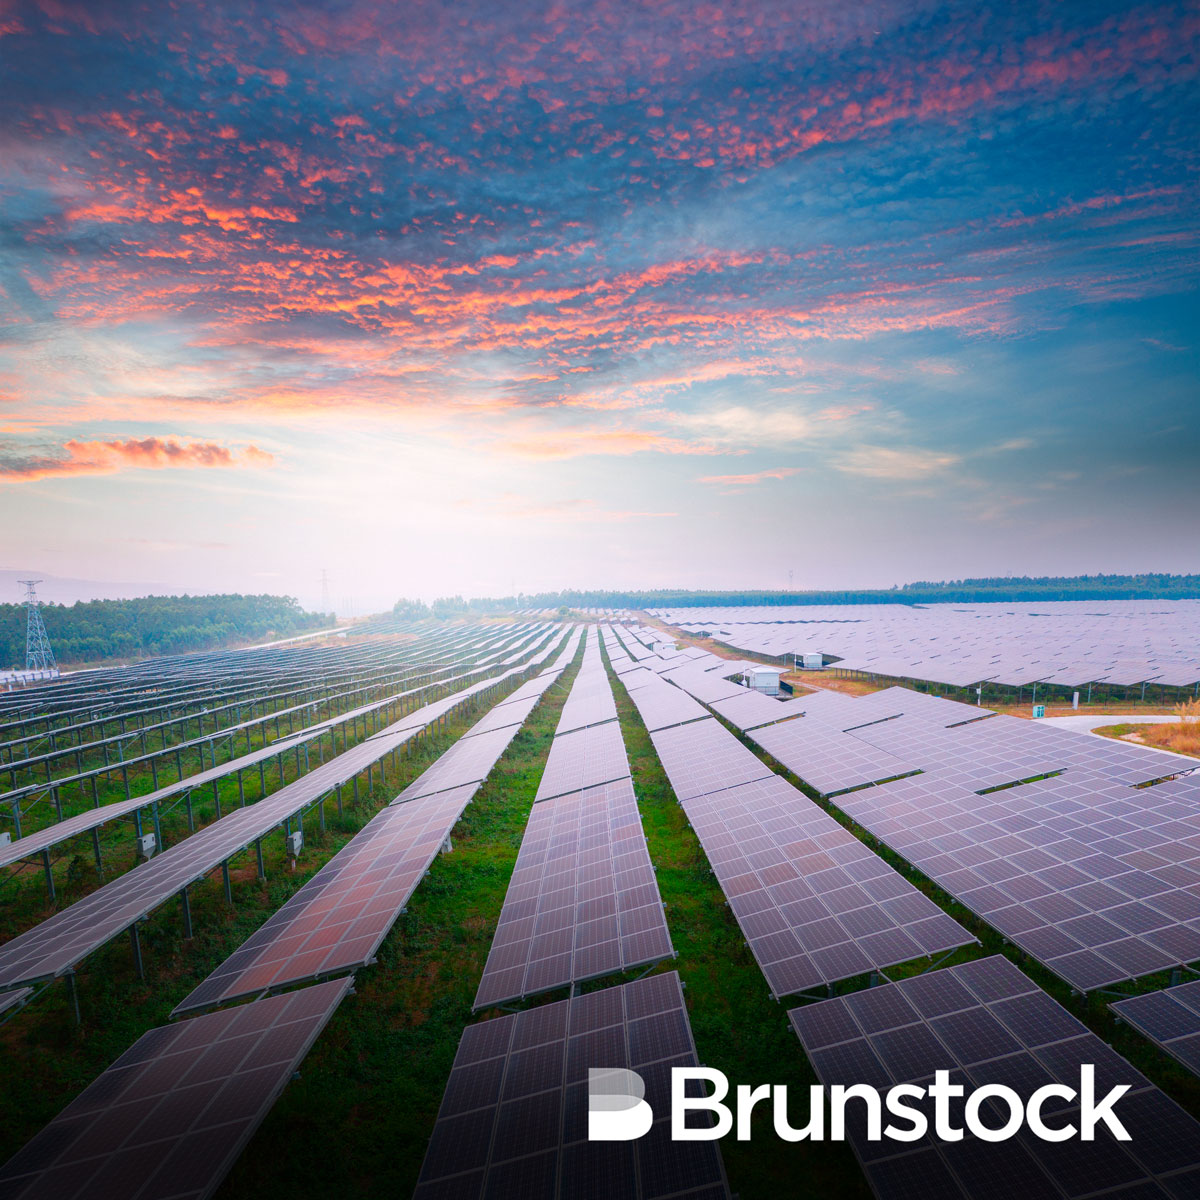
(95, 630)
(958, 591)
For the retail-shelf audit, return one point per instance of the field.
(357, 1120)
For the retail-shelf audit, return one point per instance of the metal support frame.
(135, 942)
(73, 991)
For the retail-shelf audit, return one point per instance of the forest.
(98, 630)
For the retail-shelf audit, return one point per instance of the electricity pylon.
(38, 654)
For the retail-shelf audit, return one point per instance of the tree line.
(98, 630)
(1007, 589)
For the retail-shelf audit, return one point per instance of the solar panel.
(660, 705)
(513, 1119)
(583, 759)
(1170, 1019)
(703, 757)
(469, 760)
(338, 919)
(827, 759)
(987, 1023)
(172, 1114)
(752, 709)
(583, 901)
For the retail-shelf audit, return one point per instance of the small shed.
(764, 679)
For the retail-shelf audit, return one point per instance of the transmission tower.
(38, 654)
(326, 607)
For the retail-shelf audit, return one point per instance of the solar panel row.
(1170, 1018)
(56, 945)
(1098, 881)
(660, 705)
(168, 1119)
(814, 903)
(986, 1023)
(582, 901)
(339, 918)
(514, 1118)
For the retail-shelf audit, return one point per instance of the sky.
(482, 298)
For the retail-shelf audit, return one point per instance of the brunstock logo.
(619, 1112)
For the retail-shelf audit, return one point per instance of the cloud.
(894, 462)
(105, 458)
(738, 481)
(741, 426)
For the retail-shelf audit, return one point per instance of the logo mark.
(617, 1111)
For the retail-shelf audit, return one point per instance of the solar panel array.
(170, 1116)
(1098, 881)
(338, 919)
(660, 705)
(750, 709)
(814, 903)
(514, 1118)
(827, 759)
(61, 831)
(704, 757)
(987, 1023)
(1170, 1019)
(1070, 643)
(582, 901)
(57, 944)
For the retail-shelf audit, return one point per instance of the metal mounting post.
(136, 943)
(74, 996)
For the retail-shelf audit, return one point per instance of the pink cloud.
(105, 458)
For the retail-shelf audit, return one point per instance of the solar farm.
(1113, 644)
(354, 915)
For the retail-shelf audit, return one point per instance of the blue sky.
(483, 296)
